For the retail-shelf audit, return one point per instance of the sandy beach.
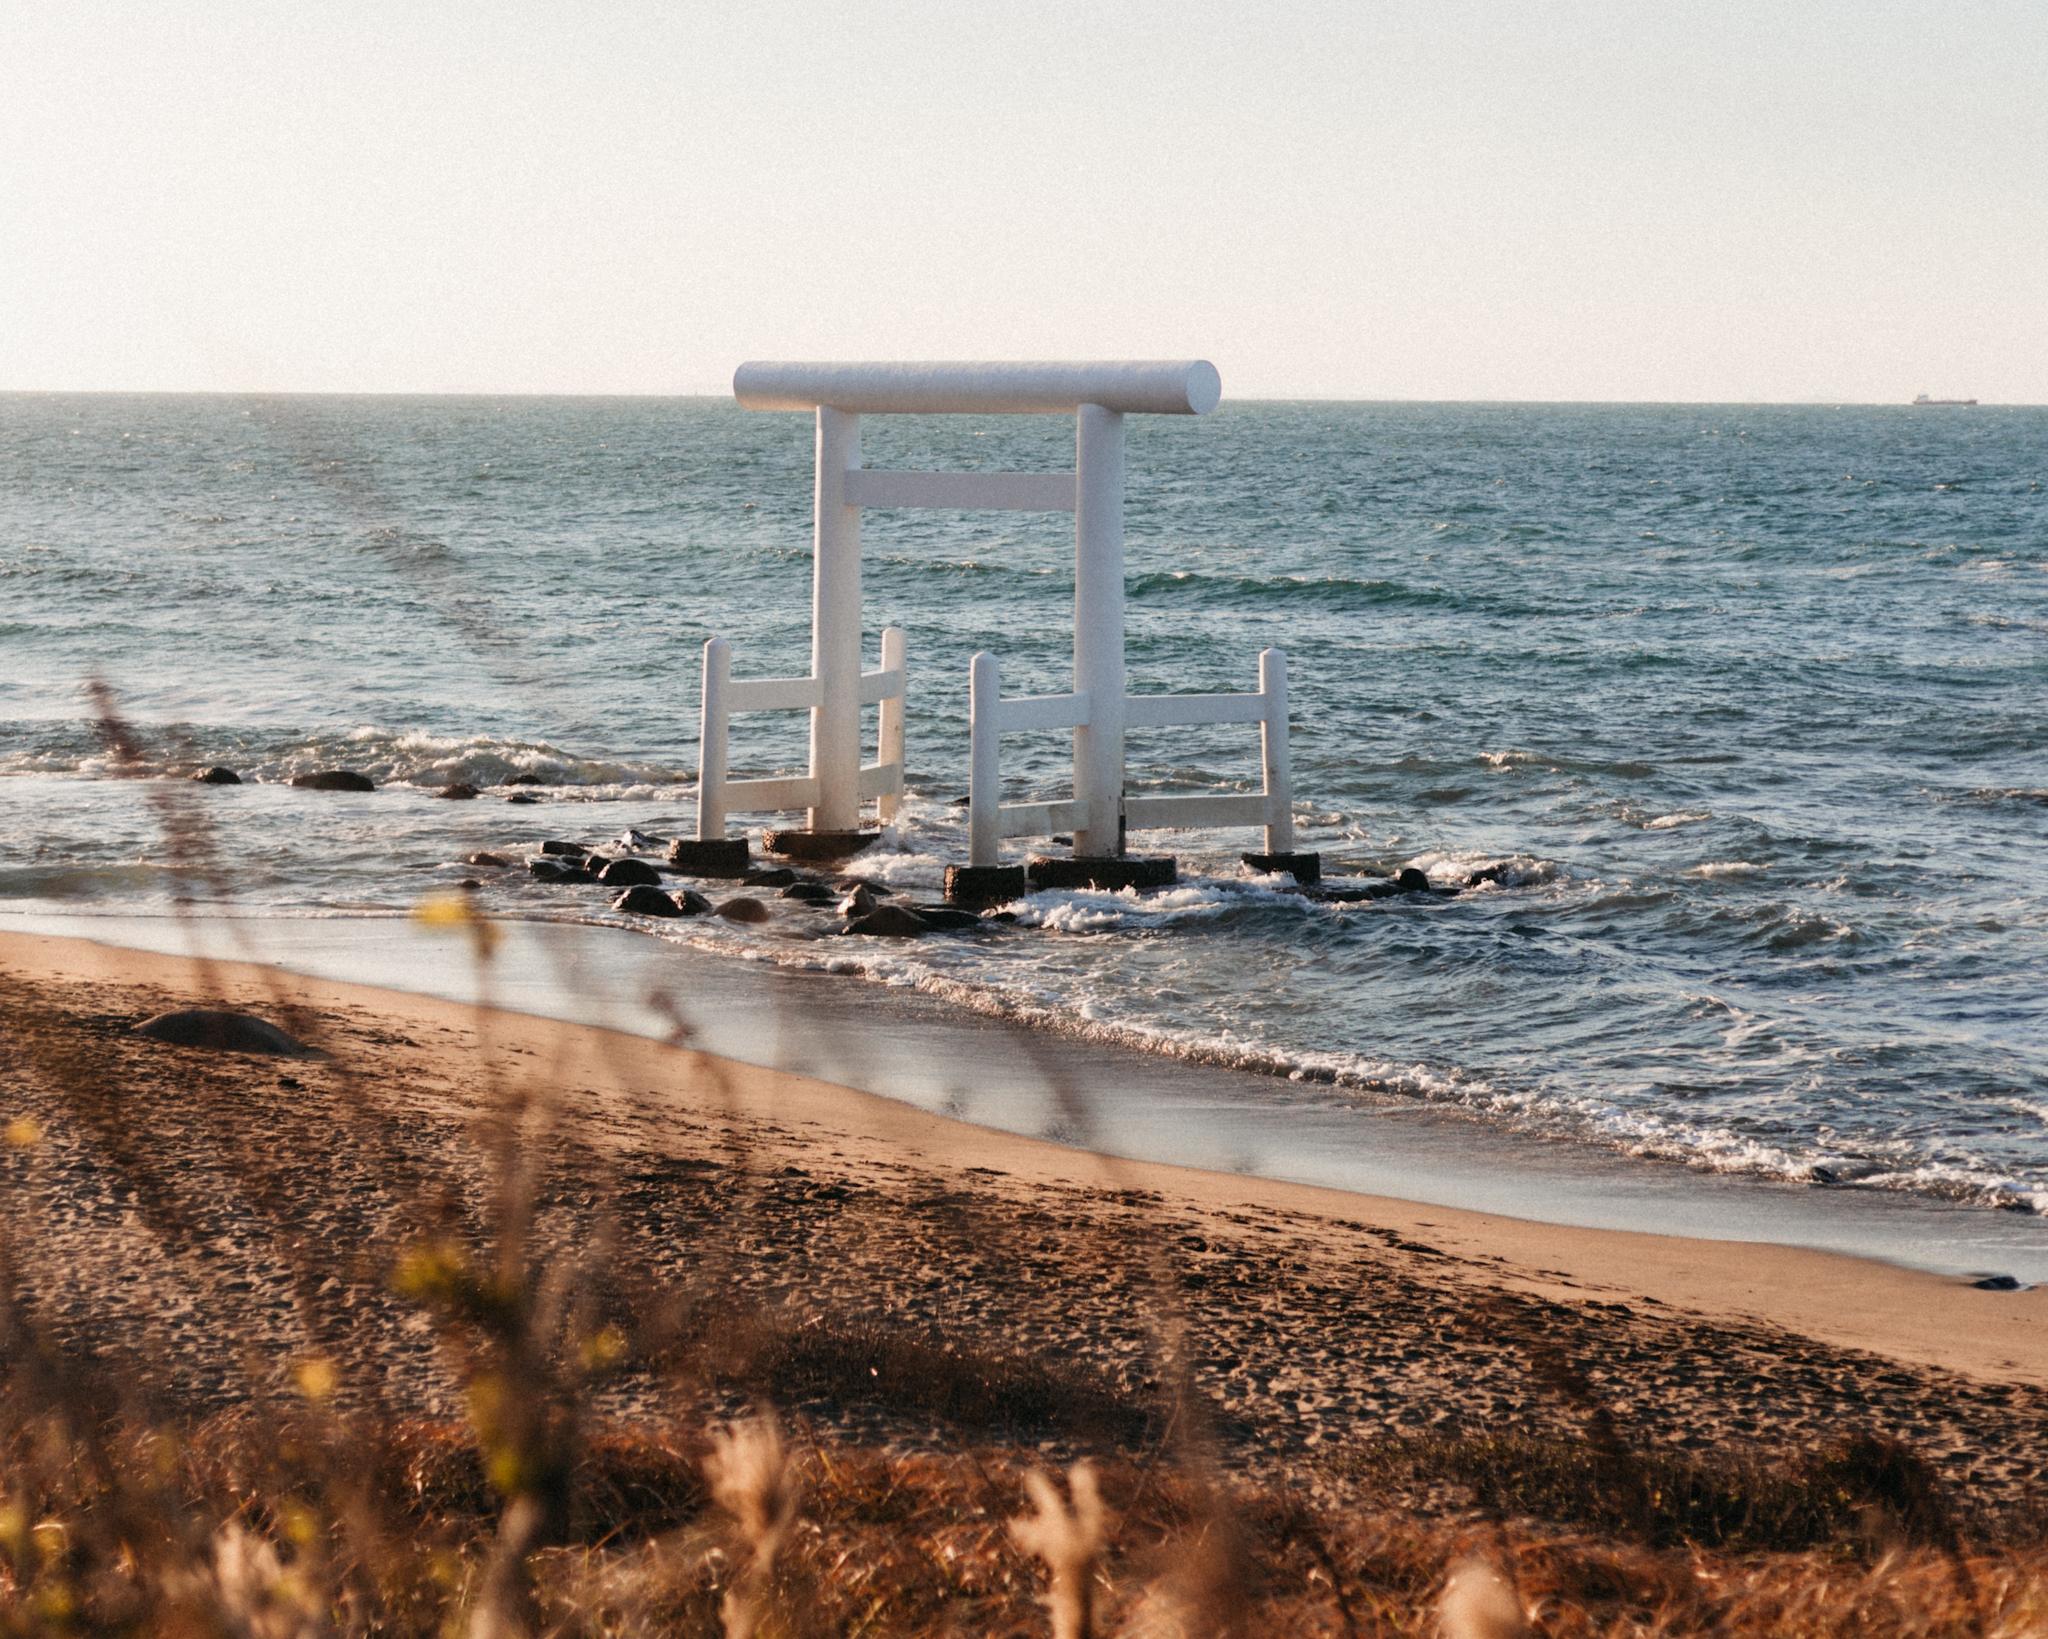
(222, 1217)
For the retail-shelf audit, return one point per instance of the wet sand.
(216, 1217)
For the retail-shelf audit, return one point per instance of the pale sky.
(1587, 199)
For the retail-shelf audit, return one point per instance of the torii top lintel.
(1127, 386)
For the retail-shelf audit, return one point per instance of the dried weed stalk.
(1069, 1540)
(752, 1480)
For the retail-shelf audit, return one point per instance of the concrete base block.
(978, 885)
(1306, 868)
(1123, 871)
(816, 844)
(719, 856)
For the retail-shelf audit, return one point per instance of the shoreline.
(1003, 1076)
(1927, 1320)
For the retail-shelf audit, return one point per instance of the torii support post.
(1099, 629)
(835, 629)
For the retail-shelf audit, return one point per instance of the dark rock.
(1352, 896)
(817, 844)
(458, 792)
(859, 903)
(743, 910)
(999, 916)
(498, 860)
(628, 873)
(526, 779)
(641, 842)
(1110, 872)
(962, 802)
(641, 900)
(888, 922)
(522, 796)
(938, 916)
(334, 779)
(553, 870)
(691, 903)
(809, 893)
(225, 1032)
(555, 846)
(1998, 1283)
(1825, 1175)
(717, 856)
(769, 876)
(1412, 881)
(1489, 873)
(979, 885)
(469, 882)
(218, 776)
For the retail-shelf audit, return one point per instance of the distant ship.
(1923, 402)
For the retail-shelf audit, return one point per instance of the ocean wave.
(1556, 763)
(402, 757)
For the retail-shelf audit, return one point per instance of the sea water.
(1743, 707)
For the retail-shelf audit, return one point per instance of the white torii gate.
(1099, 396)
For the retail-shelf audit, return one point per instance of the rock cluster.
(864, 909)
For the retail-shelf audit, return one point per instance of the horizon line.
(725, 395)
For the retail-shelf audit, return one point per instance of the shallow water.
(1747, 701)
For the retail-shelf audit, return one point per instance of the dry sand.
(215, 1217)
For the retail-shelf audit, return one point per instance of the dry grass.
(326, 1510)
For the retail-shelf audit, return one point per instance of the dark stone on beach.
(809, 893)
(1109, 873)
(458, 792)
(1352, 896)
(497, 860)
(469, 882)
(218, 776)
(1489, 873)
(999, 916)
(691, 903)
(939, 916)
(1306, 869)
(980, 885)
(1412, 881)
(1998, 1283)
(522, 796)
(1823, 1175)
(554, 846)
(553, 870)
(641, 842)
(860, 902)
(888, 922)
(525, 779)
(743, 910)
(714, 856)
(769, 876)
(641, 900)
(817, 844)
(334, 779)
(628, 873)
(225, 1032)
